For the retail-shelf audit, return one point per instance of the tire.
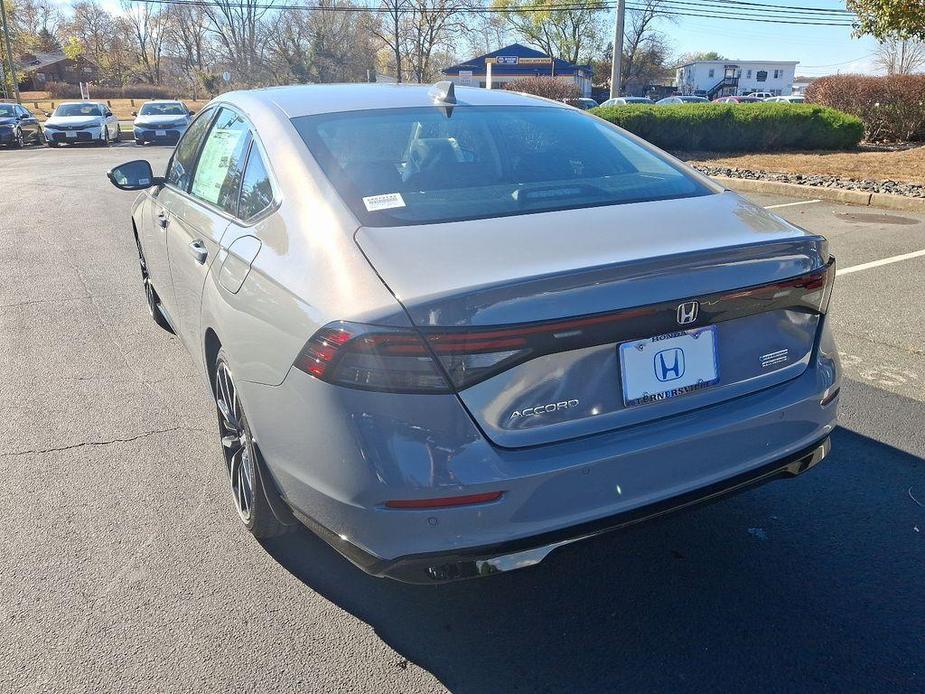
(51, 143)
(104, 141)
(18, 141)
(118, 135)
(253, 493)
(151, 297)
(40, 139)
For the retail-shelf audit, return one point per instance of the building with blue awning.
(516, 62)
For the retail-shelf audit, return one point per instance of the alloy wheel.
(237, 442)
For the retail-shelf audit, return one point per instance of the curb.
(848, 197)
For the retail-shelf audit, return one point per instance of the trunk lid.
(495, 274)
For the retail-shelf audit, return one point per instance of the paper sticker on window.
(386, 201)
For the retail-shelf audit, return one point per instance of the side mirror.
(108, 114)
(192, 112)
(133, 175)
(134, 113)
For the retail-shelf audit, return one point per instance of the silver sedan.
(453, 330)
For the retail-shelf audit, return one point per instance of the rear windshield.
(79, 110)
(426, 165)
(162, 110)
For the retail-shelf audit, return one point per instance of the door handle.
(162, 220)
(198, 249)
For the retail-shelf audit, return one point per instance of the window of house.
(739, 72)
(761, 75)
(777, 74)
(748, 74)
(712, 71)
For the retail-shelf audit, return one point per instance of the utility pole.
(616, 69)
(9, 51)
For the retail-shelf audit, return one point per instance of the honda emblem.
(687, 312)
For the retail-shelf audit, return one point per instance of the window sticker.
(215, 162)
(386, 201)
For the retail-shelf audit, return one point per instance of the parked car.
(83, 121)
(451, 335)
(161, 121)
(624, 100)
(761, 95)
(19, 127)
(581, 103)
(682, 99)
(787, 99)
(737, 100)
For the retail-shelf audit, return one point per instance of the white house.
(715, 78)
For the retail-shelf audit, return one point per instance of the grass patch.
(902, 165)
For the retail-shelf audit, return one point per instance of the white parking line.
(878, 263)
(791, 204)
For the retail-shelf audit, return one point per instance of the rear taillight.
(372, 358)
(443, 360)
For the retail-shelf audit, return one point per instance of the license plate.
(668, 366)
(160, 133)
(70, 134)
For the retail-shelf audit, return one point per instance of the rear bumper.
(472, 562)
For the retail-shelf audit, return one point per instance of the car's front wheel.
(18, 141)
(151, 297)
(252, 495)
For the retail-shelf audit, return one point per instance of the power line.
(738, 10)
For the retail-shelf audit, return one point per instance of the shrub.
(737, 127)
(892, 107)
(63, 90)
(549, 87)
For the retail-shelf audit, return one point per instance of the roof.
(741, 62)
(312, 99)
(477, 64)
(37, 60)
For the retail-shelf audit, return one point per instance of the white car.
(161, 121)
(624, 100)
(787, 100)
(82, 121)
(761, 95)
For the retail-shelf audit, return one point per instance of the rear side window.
(221, 164)
(424, 165)
(256, 191)
(180, 168)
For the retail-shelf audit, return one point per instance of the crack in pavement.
(108, 442)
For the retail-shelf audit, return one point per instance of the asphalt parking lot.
(124, 568)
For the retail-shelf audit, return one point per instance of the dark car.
(18, 127)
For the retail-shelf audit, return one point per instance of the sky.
(821, 50)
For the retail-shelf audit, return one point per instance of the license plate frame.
(689, 363)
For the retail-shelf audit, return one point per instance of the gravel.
(912, 190)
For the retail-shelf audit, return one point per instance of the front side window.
(180, 168)
(427, 165)
(256, 191)
(221, 163)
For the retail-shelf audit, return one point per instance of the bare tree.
(238, 26)
(432, 26)
(148, 27)
(898, 56)
(390, 28)
(643, 44)
(186, 36)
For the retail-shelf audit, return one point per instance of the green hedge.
(738, 127)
